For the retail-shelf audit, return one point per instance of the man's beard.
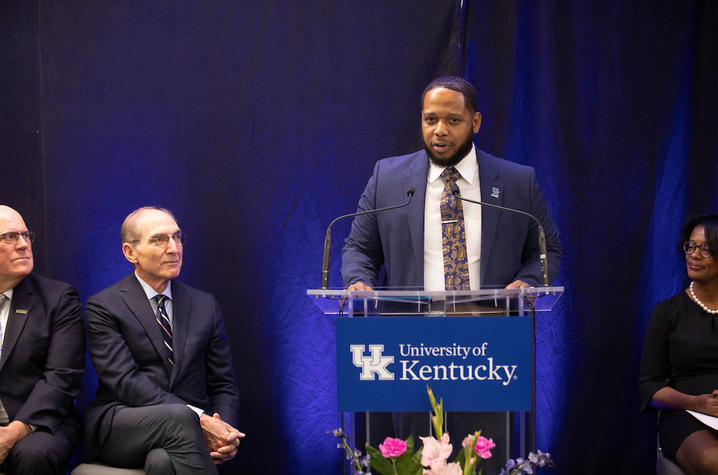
(455, 158)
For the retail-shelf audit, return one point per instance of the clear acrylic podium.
(520, 427)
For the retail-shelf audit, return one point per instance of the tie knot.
(450, 175)
(161, 300)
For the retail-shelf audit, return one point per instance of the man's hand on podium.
(518, 284)
(359, 286)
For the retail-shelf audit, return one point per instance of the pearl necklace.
(700, 304)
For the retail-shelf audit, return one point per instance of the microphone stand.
(328, 235)
(542, 236)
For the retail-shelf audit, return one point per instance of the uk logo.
(373, 365)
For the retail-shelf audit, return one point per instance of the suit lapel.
(415, 176)
(492, 192)
(137, 302)
(181, 310)
(20, 311)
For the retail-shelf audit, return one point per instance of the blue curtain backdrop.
(258, 122)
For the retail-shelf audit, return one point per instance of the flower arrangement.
(397, 457)
(528, 465)
(359, 462)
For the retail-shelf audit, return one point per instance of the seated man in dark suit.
(42, 359)
(167, 399)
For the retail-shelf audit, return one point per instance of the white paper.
(710, 421)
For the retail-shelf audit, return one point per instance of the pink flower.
(392, 447)
(444, 469)
(483, 447)
(435, 452)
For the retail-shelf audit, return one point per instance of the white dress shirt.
(4, 314)
(152, 293)
(470, 188)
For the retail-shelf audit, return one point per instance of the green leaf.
(406, 464)
(460, 457)
(378, 462)
(410, 445)
(409, 462)
(432, 399)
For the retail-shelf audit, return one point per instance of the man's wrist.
(20, 429)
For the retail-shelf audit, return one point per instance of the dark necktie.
(165, 327)
(3, 413)
(453, 236)
(3, 298)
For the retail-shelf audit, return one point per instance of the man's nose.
(22, 242)
(440, 128)
(172, 246)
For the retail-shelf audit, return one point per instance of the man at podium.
(437, 241)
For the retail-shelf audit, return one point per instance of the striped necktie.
(165, 326)
(453, 235)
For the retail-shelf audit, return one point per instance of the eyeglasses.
(13, 237)
(689, 247)
(163, 240)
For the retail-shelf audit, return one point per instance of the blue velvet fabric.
(259, 122)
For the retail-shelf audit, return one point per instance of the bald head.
(15, 250)
(130, 230)
(6, 211)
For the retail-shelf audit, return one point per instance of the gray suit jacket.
(395, 239)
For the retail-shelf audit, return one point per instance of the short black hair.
(709, 223)
(457, 84)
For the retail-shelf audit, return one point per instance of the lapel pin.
(495, 192)
(21, 311)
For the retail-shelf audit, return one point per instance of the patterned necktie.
(453, 236)
(165, 327)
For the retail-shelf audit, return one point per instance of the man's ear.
(476, 121)
(129, 252)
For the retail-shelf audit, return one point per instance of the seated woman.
(679, 366)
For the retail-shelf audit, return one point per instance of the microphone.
(328, 235)
(542, 236)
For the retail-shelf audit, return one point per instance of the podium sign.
(474, 364)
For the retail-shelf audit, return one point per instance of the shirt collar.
(8, 293)
(466, 168)
(150, 292)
